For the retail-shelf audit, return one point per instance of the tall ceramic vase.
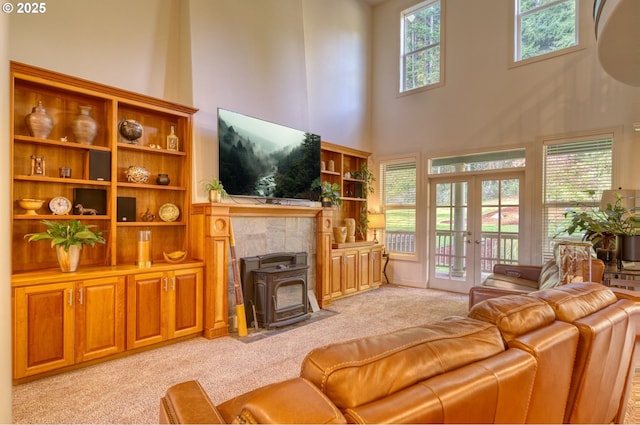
(68, 260)
(340, 234)
(350, 224)
(38, 122)
(84, 127)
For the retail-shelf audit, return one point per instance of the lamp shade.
(376, 221)
(627, 196)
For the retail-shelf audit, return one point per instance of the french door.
(474, 223)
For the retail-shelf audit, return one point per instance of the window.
(543, 27)
(398, 196)
(574, 172)
(479, 162)
(421, 46)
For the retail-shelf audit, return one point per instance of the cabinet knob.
(70, 298)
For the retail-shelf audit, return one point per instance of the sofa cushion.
(577, 300)
(503, 281)
(346, 371)
(514, 315)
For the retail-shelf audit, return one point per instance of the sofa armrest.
(187, 403)
(518, 270)
(292, 401)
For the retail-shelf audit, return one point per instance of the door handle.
(70, 297)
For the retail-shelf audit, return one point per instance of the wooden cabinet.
(163, 305)
(100, 314)
(355, 269)
(59, 324)
(340, 165)
(355, 266)
(98, 170)
(60, 319)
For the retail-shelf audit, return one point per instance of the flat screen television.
(266, 160)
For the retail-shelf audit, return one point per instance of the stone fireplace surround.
(258, 230)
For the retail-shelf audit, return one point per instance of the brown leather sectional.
(560, 355)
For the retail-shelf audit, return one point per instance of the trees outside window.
(543, 27)
(421, 46)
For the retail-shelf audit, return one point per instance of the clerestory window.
(421, 46)
(544, 28)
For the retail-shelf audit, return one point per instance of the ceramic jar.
(137, 174)
(130, 130)
(84, 127)
(162, 179)
(38, 122)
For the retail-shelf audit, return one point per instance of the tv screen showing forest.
(263, 159)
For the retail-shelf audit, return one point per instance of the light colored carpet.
(128, 390)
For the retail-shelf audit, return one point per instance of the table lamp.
(376, 221)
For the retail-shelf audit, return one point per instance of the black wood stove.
(275, 288)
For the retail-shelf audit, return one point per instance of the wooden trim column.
(211, 244)
(323, 259)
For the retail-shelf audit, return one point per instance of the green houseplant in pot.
(603, 227)
(330, 194)
(215, 189)
(68, 238)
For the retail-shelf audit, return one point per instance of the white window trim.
(399, 55)
(584, 17)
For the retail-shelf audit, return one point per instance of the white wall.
(5, 239)
(273, 63)
(485, 104)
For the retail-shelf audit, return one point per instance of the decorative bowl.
(137, 174)
(130, 130)
(175, 256)
(30, 205)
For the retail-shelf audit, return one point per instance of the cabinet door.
(99, 318)
(364, 269)
(350, 272)
(376, 267)
(146, 309)
(44, 328)
(185, 302)
(336, 275)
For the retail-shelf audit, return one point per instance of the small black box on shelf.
(98, 165)
(126, 209)
(90, 201)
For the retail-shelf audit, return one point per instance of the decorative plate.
(60, 205)
(169, 212)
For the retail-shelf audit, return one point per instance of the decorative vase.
(163, 179)
(340, 234)
(137, 174)
(38, 122)
(215, 196)
(130, 130)
(84, 127)
(350, 224)
(68, 260)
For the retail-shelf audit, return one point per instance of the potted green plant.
(68, 238)
(602, 227)
(215, 189)
(330, 194)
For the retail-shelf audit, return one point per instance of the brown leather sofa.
(561, 355)
(508, 279)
